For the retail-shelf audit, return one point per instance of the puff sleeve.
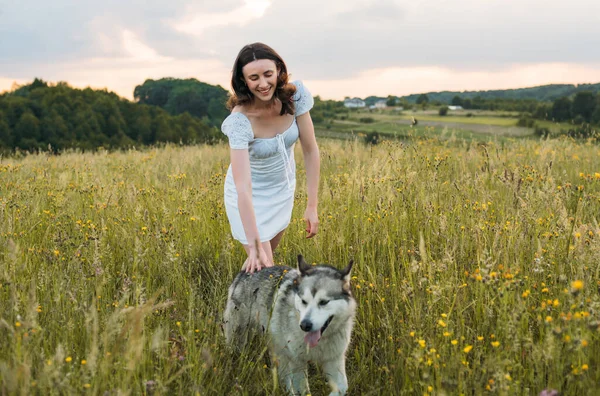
(303, 98)
(238, 129)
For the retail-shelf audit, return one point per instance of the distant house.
(455, 107)
(354, 103)
(380, 104)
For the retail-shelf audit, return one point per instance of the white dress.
(272, 169)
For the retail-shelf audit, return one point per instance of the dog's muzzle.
(312, 337)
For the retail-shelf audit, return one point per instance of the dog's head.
(323, 299)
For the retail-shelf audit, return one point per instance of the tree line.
(543, 93)
(41, 116)
(582, 112)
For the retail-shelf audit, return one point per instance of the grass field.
(482, 127)
(477, 269)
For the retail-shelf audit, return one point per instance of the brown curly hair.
(242, 95)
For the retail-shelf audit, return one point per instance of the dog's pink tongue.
(312, 338)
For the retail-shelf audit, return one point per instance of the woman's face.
(261, 78)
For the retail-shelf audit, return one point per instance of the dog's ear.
(346, 271)
(346, 277)
(303, 267)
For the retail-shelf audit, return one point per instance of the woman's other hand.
(312, 221)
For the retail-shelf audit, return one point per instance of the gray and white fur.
(307, 315)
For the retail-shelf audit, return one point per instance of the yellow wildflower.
(577, 285)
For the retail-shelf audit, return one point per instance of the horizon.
(353, 48)
(15, 85)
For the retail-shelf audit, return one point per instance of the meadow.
(477, 268)
(479, 125)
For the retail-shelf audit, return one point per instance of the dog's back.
(251, 300)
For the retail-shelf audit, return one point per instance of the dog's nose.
(306, 325)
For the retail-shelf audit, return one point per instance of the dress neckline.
(269, 138)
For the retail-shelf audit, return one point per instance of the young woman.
(268, 115)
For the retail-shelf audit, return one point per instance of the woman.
(268, 115)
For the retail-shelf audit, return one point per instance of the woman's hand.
(257, 260)
(312, 221)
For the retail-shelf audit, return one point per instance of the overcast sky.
(337, 47)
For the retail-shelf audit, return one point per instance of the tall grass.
(477, 269)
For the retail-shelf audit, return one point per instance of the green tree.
(457, 101)
(443, 110)
(423, 99)
(391, 101)
(596, 114)
(584, 105)
(162, 130)
(561, 109)
(187, 99)
(190, 95)
(6, 140)
(55, 131)
(13, 108)
(27, 132)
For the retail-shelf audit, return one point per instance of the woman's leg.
(275, 241)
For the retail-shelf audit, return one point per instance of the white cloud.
(138, 50)
(200, 22)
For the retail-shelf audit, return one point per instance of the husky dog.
(307, 314)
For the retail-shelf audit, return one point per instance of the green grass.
(554, 127)
(483, 120)
(479, 128)
(114, 269)
(478, 117)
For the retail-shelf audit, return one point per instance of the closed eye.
(322, 303)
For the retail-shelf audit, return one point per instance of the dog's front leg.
(335, 371)
(293, 376)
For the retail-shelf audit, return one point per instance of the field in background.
(476, 125)
(477, 268)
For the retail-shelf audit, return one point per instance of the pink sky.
(347, 48)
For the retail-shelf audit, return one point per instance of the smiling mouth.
(312, 338)
(264, 92)
(326, 324)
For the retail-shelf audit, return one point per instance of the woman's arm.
(240, 168)
(312, 163)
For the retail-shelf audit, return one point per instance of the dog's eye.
(323, 302)
(303, 302)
